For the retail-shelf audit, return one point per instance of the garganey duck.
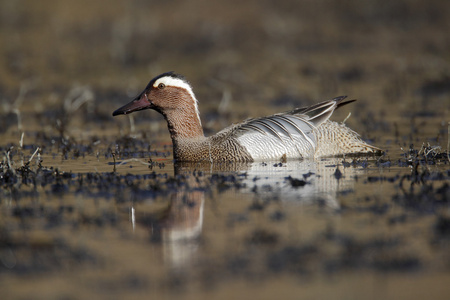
(301, 133)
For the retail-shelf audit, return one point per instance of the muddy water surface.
(345, 227)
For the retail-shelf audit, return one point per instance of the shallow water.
(341, 227)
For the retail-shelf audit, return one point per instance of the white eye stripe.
(171, 81)
(179, 83)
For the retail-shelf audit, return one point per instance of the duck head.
(171, 95)
(164, 93)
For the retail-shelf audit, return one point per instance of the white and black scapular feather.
(290, 134)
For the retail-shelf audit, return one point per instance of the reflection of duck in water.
(179, 223)
(301, 133)
(302, 181)
(180, 219)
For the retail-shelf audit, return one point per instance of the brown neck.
(183, 123)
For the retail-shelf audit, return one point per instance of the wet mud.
(95, 206)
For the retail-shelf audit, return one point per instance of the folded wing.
(290, 134)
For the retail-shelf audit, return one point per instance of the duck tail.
(339, 101)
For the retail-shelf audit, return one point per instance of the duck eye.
(161, 86)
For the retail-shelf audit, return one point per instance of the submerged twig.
(114, 159)
(346, 118)
(8, 160)
(134, 159)
(448, 142)
(31, 158)
(21, 140)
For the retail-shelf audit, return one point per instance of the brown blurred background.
(65, 66)
(263, 56)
